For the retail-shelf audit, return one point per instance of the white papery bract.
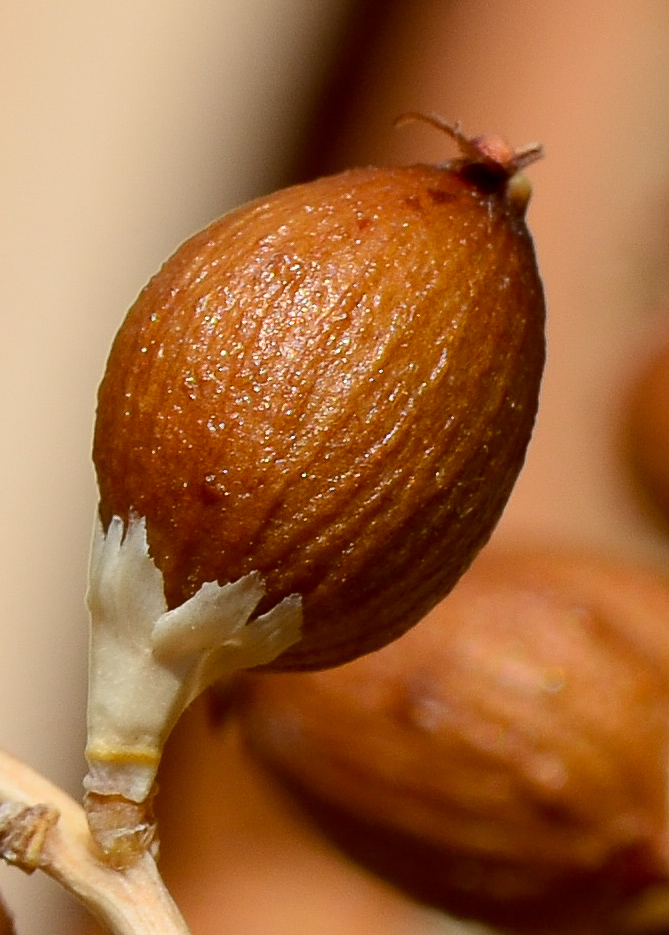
(147, 663)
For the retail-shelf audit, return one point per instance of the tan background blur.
(126, 126)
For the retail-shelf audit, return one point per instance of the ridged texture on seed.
(334, 387)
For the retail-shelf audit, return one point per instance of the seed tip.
(518, 192)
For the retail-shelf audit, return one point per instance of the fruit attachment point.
(147, 663)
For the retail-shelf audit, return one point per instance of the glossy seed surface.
(334, 386)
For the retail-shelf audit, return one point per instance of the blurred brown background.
(128, 126)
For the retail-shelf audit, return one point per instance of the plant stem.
(43, 828)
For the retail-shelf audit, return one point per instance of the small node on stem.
(23, 832)
(123, 830)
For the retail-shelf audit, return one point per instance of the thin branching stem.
(43, 828)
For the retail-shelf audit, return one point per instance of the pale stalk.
(43, 828)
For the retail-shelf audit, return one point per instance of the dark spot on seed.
(413, 201)
(439, 197)
(211, 489)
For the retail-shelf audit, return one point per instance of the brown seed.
(333, 386)
(507, 757)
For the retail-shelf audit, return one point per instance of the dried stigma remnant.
(488, 153)
(329, 390)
